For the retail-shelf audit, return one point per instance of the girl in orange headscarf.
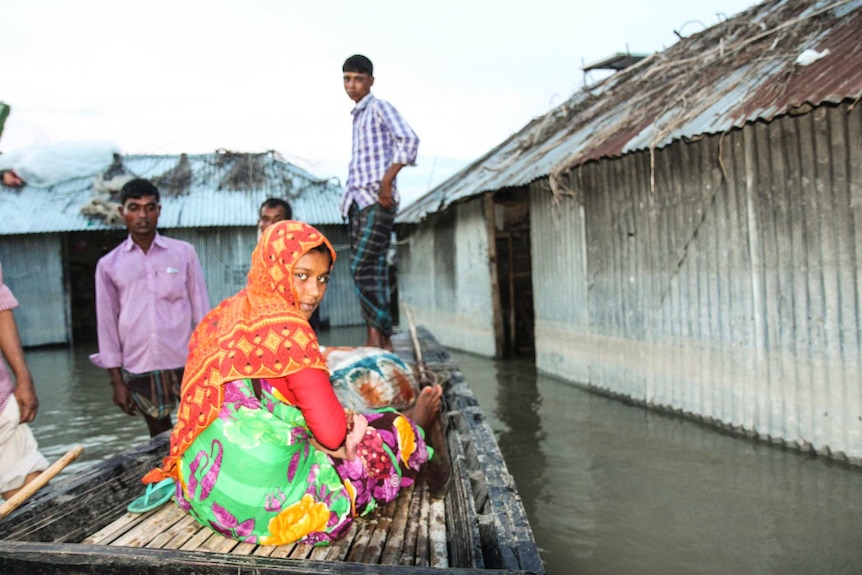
(263, 451)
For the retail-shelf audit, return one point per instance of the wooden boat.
(80, 524)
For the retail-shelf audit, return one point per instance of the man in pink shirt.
(20, 460)
(150, 294)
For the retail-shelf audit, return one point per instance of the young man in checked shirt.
(383, 143)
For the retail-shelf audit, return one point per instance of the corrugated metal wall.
(444, 276)
(727, 289)
(225, 255)
(33, 270)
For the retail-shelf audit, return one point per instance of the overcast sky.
(164, 77)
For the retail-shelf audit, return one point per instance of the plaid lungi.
(370, 239)
(156, 393)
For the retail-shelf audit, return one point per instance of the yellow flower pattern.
(406, 438)
(351, 492)
(295, 522)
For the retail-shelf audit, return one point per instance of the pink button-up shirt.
(7, 386)
(147, 305)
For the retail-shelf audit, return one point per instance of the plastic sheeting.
(46, 165)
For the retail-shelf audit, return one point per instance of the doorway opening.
(514, 271)
(84, 250)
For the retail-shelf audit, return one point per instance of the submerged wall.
(33, 270)
(445, 279)
(719, 279)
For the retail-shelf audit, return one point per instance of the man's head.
(140, 207)
(358, 77)
(273, 210)
(11, 179)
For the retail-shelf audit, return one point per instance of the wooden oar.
(16, 500)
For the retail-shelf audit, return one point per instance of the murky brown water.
(612, 488)
(609, 488)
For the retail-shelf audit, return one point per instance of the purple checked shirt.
(381, 138)
(147, 305)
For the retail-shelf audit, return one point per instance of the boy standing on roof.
(383, 143)
(150, 294)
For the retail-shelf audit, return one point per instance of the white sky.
(171, 76)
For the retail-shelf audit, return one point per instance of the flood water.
(608, 487)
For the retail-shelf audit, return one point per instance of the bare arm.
(385, 197)
(122, 397)
(10, 345)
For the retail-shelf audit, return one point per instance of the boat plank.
(196, 540)
(148, 528)
(264, 550)
(115, 529)
(361, 539)
(75, 559)
(243, 548)
(300, 551)
(319, 553)
(176, 535)
(282, 551)
(338, 549)
(408, 550)
(218, 543)
(374, 548)
(420, 557)
(392, 548)
(439, 555)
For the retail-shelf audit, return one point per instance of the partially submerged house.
(51, 237)
(686, 234)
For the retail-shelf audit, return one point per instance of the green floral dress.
(253, 475)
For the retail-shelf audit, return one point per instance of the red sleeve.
(313, 394)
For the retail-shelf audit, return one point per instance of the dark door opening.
(84, 251)
(514, 273)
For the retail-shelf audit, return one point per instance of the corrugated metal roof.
(741, 70)
(219, 189)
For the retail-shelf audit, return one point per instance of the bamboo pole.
(43, 478)
(421, 368)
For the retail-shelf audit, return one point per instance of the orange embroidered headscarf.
(257, 333)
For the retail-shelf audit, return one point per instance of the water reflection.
(75, 407)
(612, 488)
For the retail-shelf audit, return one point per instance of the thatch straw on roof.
(177, 180)
(244, 171)
(106, 189)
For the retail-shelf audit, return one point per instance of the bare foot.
(427, 406)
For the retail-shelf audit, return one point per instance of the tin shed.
(690, 227)
(51, 237)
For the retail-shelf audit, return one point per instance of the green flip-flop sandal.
(156, 495)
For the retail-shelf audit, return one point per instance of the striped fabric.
(381, 138)
(370, 238)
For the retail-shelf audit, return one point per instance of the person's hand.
(356, 426)
(28, 403)
(385, 196)
(355, 435)
(122, 395)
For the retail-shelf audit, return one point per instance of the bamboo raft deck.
(384, 537)
(80, 524)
